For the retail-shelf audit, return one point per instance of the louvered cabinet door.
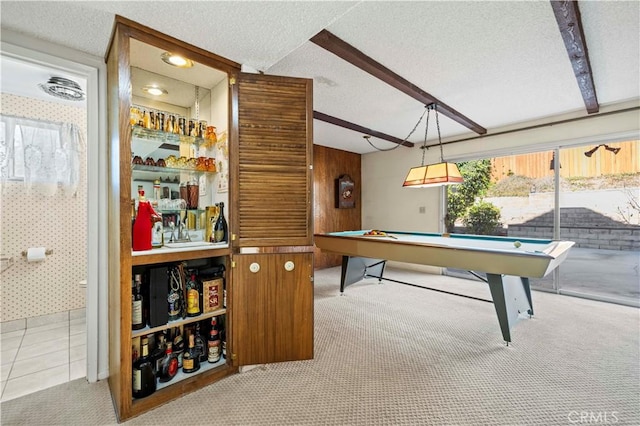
(274, 158)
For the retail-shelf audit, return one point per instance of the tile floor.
(41, 352)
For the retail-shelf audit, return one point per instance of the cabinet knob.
(289, 266)
(254, 267)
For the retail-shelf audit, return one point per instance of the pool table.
(507, 262)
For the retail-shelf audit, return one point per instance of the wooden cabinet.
(263, 175)
(274, 314)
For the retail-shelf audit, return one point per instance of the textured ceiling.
(498, 63)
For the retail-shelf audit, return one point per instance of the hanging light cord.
(367, 137)
(435, 108)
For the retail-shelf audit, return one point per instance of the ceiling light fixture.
(438, 174)
(63, 88)
(176, 60)
(154, 90)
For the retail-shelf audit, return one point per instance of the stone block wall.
(588, 229)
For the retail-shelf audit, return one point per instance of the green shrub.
(482, 218)
(477, 178)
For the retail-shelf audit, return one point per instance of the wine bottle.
(168, 365)
(220, 230)
(144, 379)
(137, 317)
(194, 294)
(214, 346)
(190, 358)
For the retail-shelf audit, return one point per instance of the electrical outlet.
(422, 209)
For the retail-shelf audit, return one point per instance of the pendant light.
(438, 174)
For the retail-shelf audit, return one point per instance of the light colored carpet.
(394, 355)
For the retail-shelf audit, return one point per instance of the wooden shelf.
(177, 323)
(168, 255)
(204, 367)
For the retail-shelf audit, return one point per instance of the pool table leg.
(355, 269)
(511, 296)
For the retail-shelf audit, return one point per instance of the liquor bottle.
(178, 346)
(223, 337)
(137, 316)
(157, 354)
(190, 358)
(214, 346)
(201, 347)
(214, 324)
(175, 297)
(194, 294)
(144, 379)
(220, 230)
(146, 120)
(168, 365)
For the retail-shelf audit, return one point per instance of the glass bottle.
(194, 295)
(146, 120)
(213, 346)
(190, 358)
(201, 347)
(168, 365)
(144, 379)
(220, 230)
(175, 298)
(223, 337)
(158, 352)
(137, 315)
(178, 346)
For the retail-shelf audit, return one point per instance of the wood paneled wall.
(328, 165)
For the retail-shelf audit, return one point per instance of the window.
(43, 155)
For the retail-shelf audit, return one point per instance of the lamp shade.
(433, 175)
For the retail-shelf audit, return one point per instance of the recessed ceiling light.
(154, 90)
(176, 60)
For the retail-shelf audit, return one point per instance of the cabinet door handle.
(254, 267)
(289, 266)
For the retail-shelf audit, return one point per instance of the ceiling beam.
(570, 25)
(342, 49)
(357, 128)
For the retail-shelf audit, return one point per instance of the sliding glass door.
(600, 211)
(594, 201)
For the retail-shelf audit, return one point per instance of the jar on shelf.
(193, 194)
(181, 163)
(201, 164)
(184, 194)
(211, 165)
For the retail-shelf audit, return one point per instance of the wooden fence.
(573, 162)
